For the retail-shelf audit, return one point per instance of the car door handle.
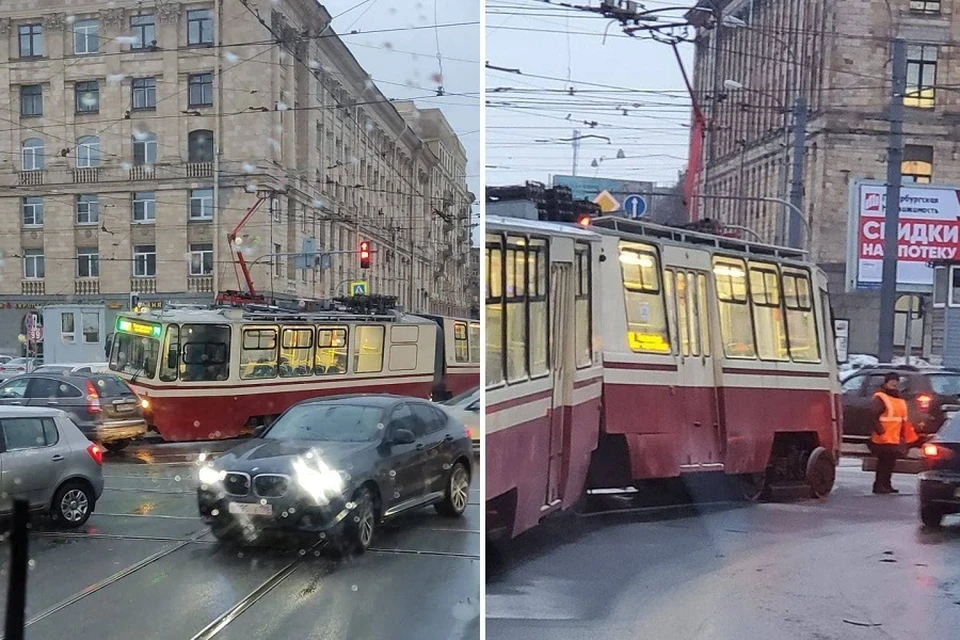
(53, 402)
(57, 458)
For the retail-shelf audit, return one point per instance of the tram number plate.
(250, 509)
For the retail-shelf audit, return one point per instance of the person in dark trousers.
(892, 435)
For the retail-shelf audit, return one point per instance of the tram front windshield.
(136, 355)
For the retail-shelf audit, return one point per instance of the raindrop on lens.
(353, 588)
(393, 474)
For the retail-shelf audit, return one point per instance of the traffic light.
(364, 255)
(134, 302)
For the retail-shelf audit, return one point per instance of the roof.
(28, 412)
(374, 399)
(522, 225)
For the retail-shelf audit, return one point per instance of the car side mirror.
(475, 407)
(403, 436)
(259, 430)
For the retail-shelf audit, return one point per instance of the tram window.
(368, 349)
(704, 312)
(736, 321)
(801, 318)
(646, 312)
(537, 303)
(206, 350)
(683, 313)
(296, 352)
(136, 355)
(582, 303)
(474, 335)
(515, 303)
(331, 358)
(493, 313)
(669, 286)
(171, 349)
(258, 357)
(461, 343)
(767, 314)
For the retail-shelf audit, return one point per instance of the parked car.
(94, 367)
(339, 466)
(104, 407)
(47, 461)
(18, 366)
(5, 359)
(466, 408)
(932, 395)
(940, 479)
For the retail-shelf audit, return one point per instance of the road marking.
(417, 552)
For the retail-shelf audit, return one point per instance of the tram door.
(562, 351)
(696, 367)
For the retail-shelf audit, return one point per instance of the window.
(646, 312)
(200, 145)
(296, 352)
(493, 310)
(201, 204)
(669, 289)
(474, 342)
(801, 319)
(201, 259)
(14, 389)
(258, 358)
(32, 211)
(170, 365)
(200, 90)
(32, 154)
(921, 76)
(277, 262)
(331, 355)
(368, 349)
(144, 30)
(917, 165)
(88, 152)
(68, 329)
(538, 339)
(704, 312)
(582, 325)
(206, 352)
(199, 27)
(88, 263)
(514, 308)
(86, 37)
(28, 433)
(736, 321)
(33, 268)
(144, 148)
(144, 93)
(91, 326)
(852, 384)
(31, 100)
(88, 209)
(940, 282)
(87, 96)
(767, 316)
(431, 419)
(144, 206)
(688, 317)
(31, 40)
(908, 305)
(461, 343)
(925, 6)
(144, 260)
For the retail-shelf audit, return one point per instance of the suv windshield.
(945, 384)
(328, 422)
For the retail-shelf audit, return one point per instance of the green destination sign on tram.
(139, 328)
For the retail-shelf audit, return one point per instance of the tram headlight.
(209, 475)
(322, 484)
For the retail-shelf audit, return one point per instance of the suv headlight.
(321, 484)
(209, 475)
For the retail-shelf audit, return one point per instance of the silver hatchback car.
(46, 459)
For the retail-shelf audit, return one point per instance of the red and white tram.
(460, 353)
(216, 373)
(715, 355)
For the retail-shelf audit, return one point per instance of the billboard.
(928, 230)
(588, 188)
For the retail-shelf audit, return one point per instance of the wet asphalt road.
(856, 566)
(145, 567)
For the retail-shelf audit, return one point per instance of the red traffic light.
(364, 255)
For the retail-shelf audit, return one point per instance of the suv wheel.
(360, 527)
(72, 505)
(931, 516)
(458, 492)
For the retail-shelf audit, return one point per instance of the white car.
(466, 408)
(18, 366)
(74, 367)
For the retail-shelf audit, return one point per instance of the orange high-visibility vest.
(895, 422)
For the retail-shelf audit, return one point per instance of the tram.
(680, 353)
(459, 353)
(219, 372)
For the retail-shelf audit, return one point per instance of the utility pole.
(799, 160)
(888, 286)
(576, 150)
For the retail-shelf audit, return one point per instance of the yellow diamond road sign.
(607, 202)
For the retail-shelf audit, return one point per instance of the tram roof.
(553, 228)
(263, 315)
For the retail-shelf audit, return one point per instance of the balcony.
(200, 170)
(200, 284)
(31, 178)
(86, 174)
(141, 172)
(32, 287)
(143, 285)
(86, 287)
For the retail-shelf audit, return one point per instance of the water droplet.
(249, 168)
(251, 188)
(215, 512)
(16, 481)
(351, 505)
(282, 106)
(292, 510)
(353, 588)
(196, 423)
(31, 563)
(446, 466)
(115, 78)
(88, 100)
(176, 478)
(126, 39)
(393, 474)
(396, 494)
(303, 552)
(314, 64)
(240, 554)
(230, 57)
(141, 134)
(263, 501)
(126, 166)
(71, 19)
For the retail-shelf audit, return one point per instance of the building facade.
(755, 58)
(139, 133)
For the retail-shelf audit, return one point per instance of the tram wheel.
(751, 486)
(821, 472)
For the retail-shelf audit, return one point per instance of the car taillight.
(924, 400)
(96, 453)
(930, 450)
(93, 398)
(469, 432)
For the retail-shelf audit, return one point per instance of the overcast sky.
(638, 98)
(403, 61)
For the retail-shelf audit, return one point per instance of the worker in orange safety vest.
(892, 435)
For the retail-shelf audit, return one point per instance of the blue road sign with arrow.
(634, 206)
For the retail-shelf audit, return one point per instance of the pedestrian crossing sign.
(358, 288)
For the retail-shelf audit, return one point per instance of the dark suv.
(104, 407)
(932, 395)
